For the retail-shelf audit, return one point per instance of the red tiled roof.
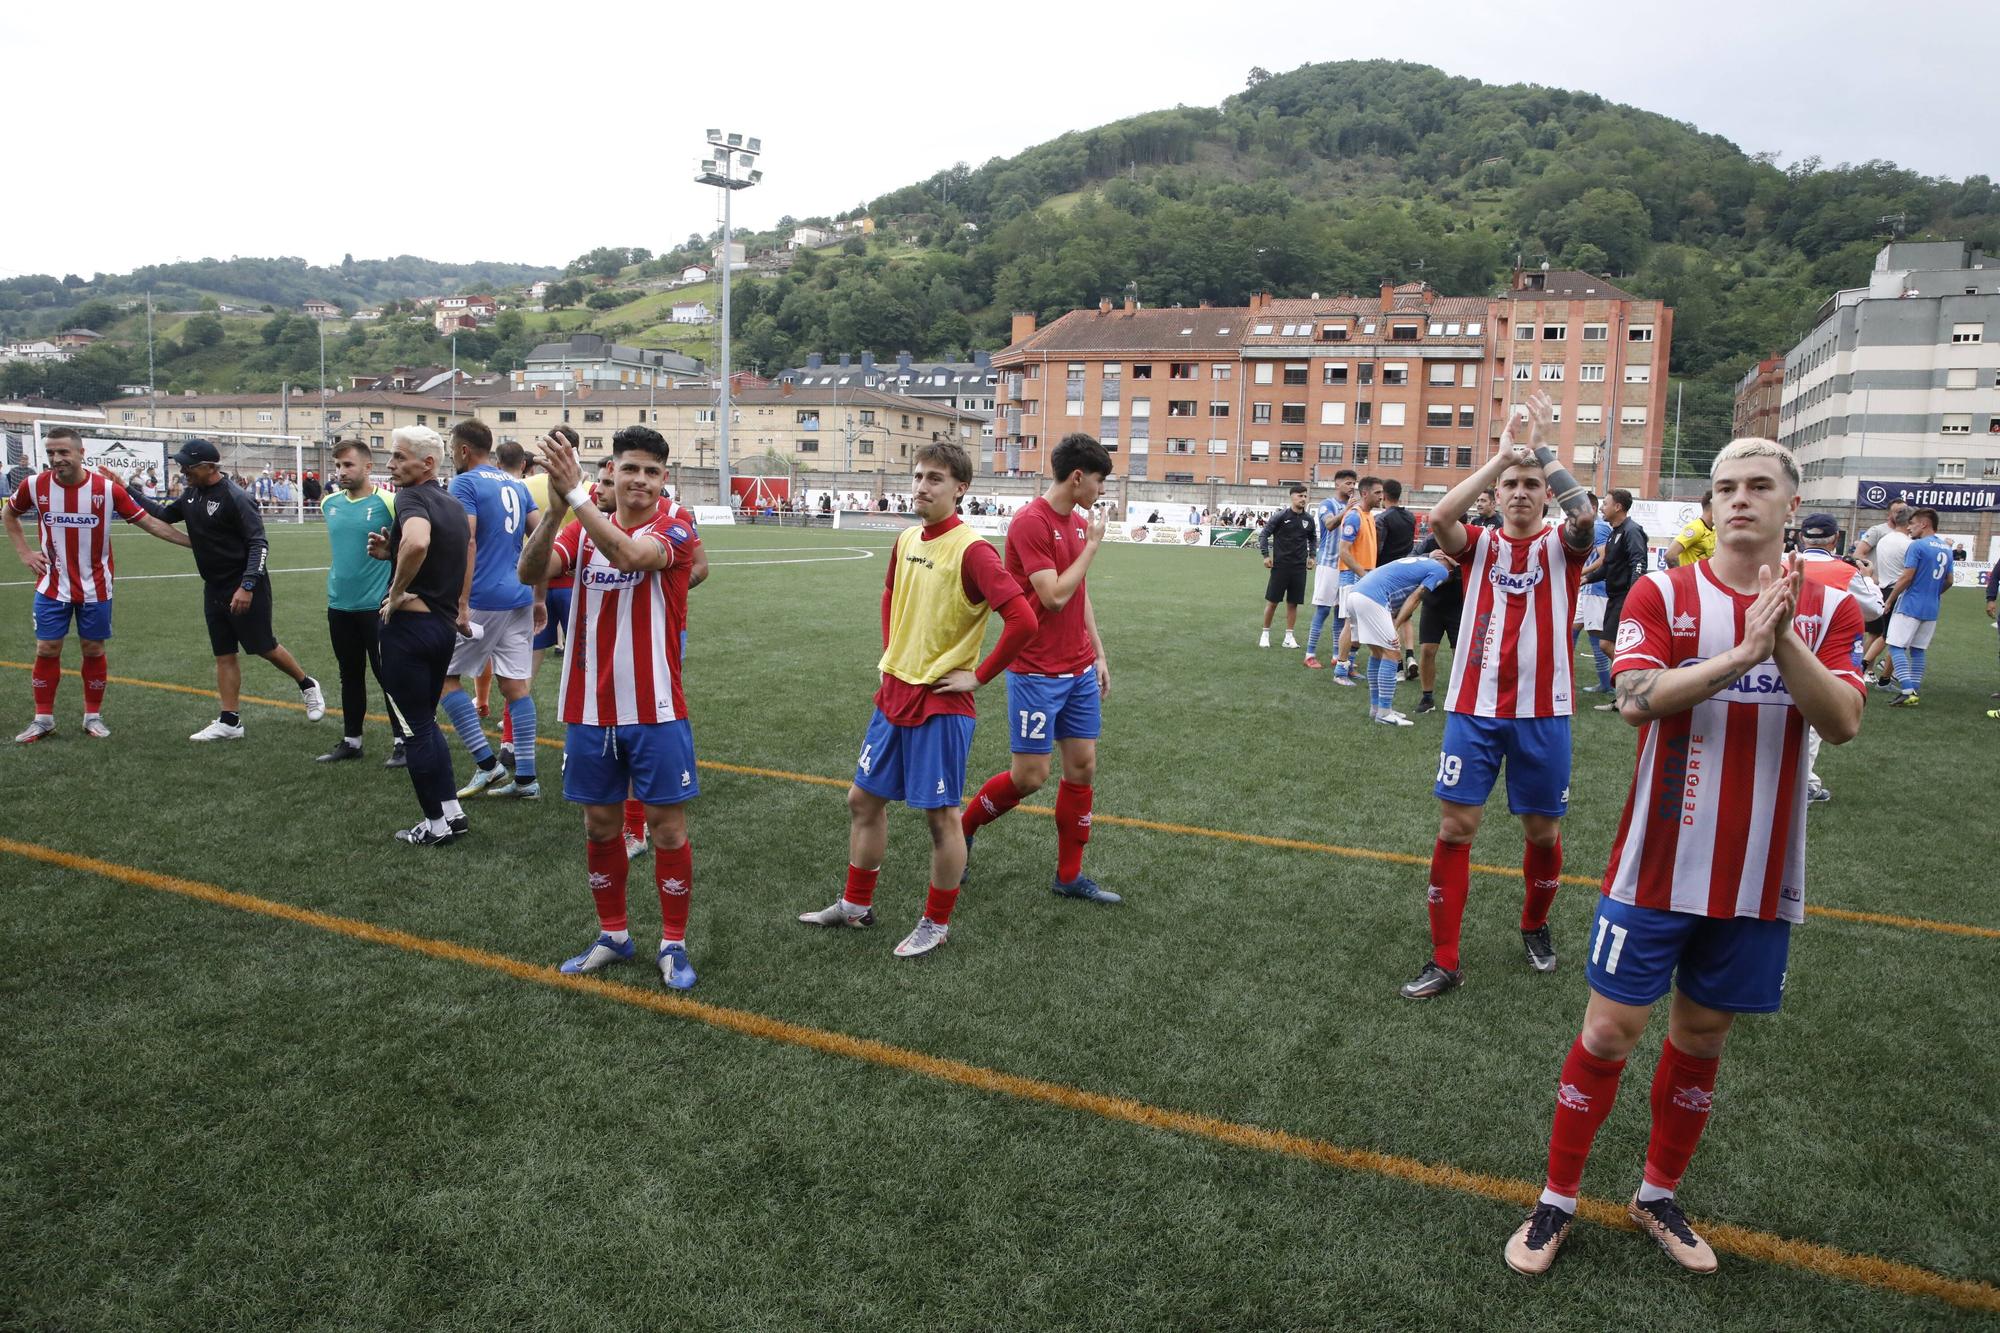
(1198, 331)
(1569, 284)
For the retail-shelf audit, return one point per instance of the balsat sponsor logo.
(1514, 584)
(71, 520)
(1761, 684)
(604, 578)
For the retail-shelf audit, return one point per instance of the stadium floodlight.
(719, 170)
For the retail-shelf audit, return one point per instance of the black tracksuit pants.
(416, 651)
(356, 646)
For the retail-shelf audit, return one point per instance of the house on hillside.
(690, 312)
(454, 313)
(809, 238)
(537, 291)
(317, 309)
(75, 338)
(34, 350)
(695, 273)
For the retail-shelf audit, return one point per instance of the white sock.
(355, 741)
(1566, 1202)
(619, 936)
(91, 715)
(453, 810)
(853, 909)
(438, 827)
(1649, 1192)
(49, 718)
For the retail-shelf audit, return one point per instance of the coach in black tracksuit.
(1287, 542)
(1624, 561)
(230, 548)
(424, 613)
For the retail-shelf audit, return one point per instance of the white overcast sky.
(532, 132)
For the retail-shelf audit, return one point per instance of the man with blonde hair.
(1707, 875)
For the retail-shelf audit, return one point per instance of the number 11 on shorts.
(1617, 934)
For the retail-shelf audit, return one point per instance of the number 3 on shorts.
(1449, 767)
(1039, 721)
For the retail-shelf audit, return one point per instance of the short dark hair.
(1927, 515)
(1366, 482)
(1392, 488)
(511, 455)
(1706, 497)
(952, 455)
(1080, 452)
(568, 436)
(644, 439)
(1347, 472)
(352, 446)
(64, 433)
(1297, 488)
(1593, 497)
(474, 434)
(1622, 496)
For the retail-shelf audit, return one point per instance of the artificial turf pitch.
(214, 1118)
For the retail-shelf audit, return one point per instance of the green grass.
(214, 1119)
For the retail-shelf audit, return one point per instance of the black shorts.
(251, 630)
(1614, 612)
(1286, 584)
(1438, 620)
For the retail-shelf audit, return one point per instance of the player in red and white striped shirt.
(1722, 665)
(1510, 696)
(621, 687)
(73, 569)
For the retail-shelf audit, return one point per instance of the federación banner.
(1940, 495)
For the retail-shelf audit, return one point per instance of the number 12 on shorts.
(1039, 723)
(1617, 934)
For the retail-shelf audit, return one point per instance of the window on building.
(1390, 455)
(1030, 408)
(1180, 407)
(1465, 415)
(1639, 333)
(1590, 414)
(1331, 453)
(1585, 455)
(1957, 424)
(1596, 333)
(1443, 373)
(1638, 374)
(1106, 426)
(1472, 329)
(1218, 408)
(596, 414)
(1291, 451)
(1260, 414)
(1554, 333)
(1333, 372)
(1183, 370)
(1437, 455)
(1437, 415)
(420, 419)
(1462, 455)
(1261, 330)
(1436, 328)
(1142, 371)
(1993, 425)
(808, 446)
(1295, 372)
(1951, 468)
(1590, 374)
(1074, 373)
(1392, 414)
(1260, 450)
(1221, 370)
(266, 416)
(1468, 377)
(1263, 373)
(1365, 373)
(375, 418)
(867, 416)
(1403, 333)
(1361, 451)
(1524, 332)
(1293, 414)
(507, 415)
(1180, 446)
(704, 416)
(1073, 407)
(1968, 333)
(1113, 370)
(1364, 414)
(1333, 414)
(1964, 377)
(1628, 456)
(1333, 333)
(864, 447)
(1395, 372)
(1552, 372)
(1524, 371)
(1631, 416)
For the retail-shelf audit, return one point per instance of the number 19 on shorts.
(1449, 768)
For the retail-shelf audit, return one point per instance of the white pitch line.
(860, 553)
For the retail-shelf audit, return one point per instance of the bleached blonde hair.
(1753, 447)
(421, 441)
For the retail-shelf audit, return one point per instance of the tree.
(603, 301)
(93, 315)
(209, 305)
(203, 330)
(1258, 74)
(854, 245)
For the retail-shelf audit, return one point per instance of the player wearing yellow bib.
(943, 582)
(1697, 539)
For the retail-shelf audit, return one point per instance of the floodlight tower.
(729, 155)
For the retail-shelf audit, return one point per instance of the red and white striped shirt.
(623, 665)
(1512, 657)
(1715, 824)
(76, 532)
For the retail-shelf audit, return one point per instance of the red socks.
(1450, 876)
(1583, 1100)
(94, 672)
(47, 675)
(1683, 1089)
(673, 871)
(994, 799)
(1541, 872)
(635, 819)
(607, 864)
(506, 726)
(938, 904)
(1072, 829)
(861, 886)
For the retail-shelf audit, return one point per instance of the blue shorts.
(1042, 710)
(1736, 964)
(653, 762)
(1535, 751)
(93, 619)
(558, 604)
(921, 766)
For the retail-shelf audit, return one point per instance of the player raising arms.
(943, 582)
(1722, 665)
(1056, 685)
(1510, 695)
(74, 508)
(628, 730)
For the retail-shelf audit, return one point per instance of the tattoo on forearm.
(1634, 689)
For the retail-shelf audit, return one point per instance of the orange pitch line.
(1155, 826)
(1765, 1247)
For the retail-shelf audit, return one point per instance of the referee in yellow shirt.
(1697, 539)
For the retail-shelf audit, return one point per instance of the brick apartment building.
(1759, 394)
(1407, 384)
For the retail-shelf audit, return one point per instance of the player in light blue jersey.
(1326, 577)
(1592, 600)
(1919, 594)
(1379, 604)
(506, 613)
